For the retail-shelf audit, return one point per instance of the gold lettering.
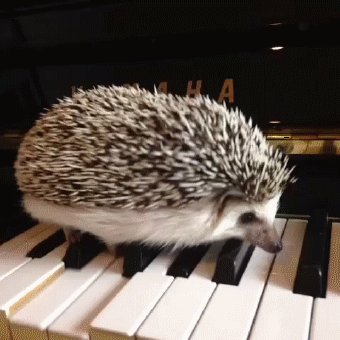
(163, 87)
(227, 91)
(133, 85)
(194, 90)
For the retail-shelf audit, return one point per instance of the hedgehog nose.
(277, 247)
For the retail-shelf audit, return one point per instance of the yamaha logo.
(193, 88)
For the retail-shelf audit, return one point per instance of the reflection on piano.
(281, 66)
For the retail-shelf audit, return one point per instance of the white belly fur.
(188, 226)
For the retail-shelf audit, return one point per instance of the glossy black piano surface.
(48, 48)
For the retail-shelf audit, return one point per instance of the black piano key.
(186, 261)
(78, 254)
(137, 257)
(47, 245)
(312, 272)
(232, 261)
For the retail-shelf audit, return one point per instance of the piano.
(280, 64)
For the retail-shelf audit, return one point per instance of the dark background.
(47, 47)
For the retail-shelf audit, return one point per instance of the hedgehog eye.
(247, 218)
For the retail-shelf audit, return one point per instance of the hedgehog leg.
(82, 248)
(115, 249)
(71, 234)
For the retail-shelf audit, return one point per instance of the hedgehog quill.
(129, 165)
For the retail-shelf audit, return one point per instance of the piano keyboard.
(41, 299)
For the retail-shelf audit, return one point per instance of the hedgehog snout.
(265, 236)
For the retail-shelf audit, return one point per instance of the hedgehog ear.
(230, 193)
(235, 192)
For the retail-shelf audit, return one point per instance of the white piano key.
(28, 244)
(9, 264)
(326, 312)
(18, 240)
(33, 319)
(230, 312)
(176, 314)
(125, 313)
(18, 288)
(74, 323)
(206, 267)
(178, 311)
(121, 318)
(162, 262)
(58, 252)
(283, 314)
(14, 258)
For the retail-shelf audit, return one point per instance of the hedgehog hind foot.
(72, 235)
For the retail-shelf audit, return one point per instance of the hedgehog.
(126, 164)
